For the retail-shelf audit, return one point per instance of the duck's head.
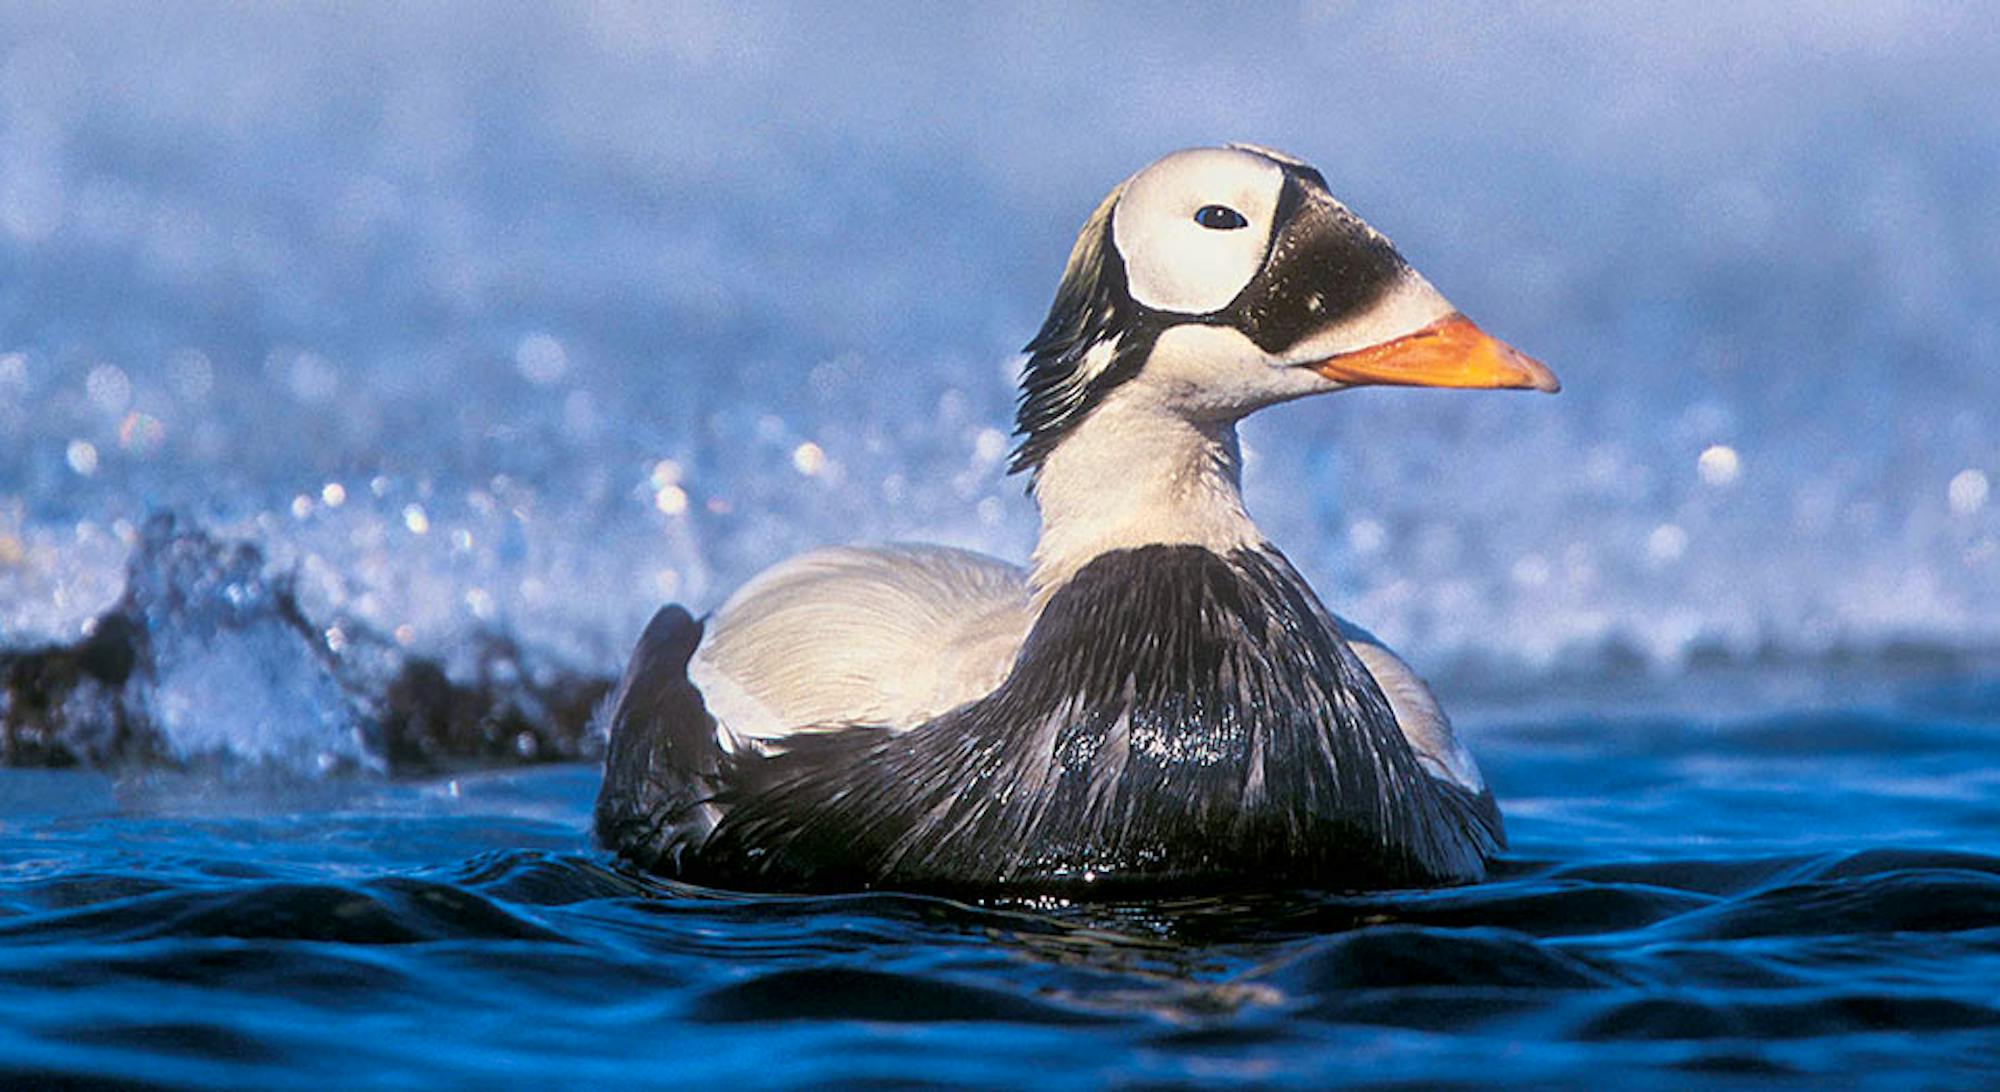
(1220, 280)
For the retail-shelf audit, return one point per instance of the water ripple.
(198, 933)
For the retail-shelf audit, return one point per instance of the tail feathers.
(662, 763)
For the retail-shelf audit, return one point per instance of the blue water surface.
(1737, 899)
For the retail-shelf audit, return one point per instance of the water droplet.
(1666, 544)
(141, 433)
(1719, 465)
(990, 445)
(1968, 491)
(809, 459)
(671, 500)
(108, 388)
(541, 359)
(416, 520)
(82, 456)
(333, 494)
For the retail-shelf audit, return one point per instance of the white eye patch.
(1193, 228)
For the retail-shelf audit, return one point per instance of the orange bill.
(1450, 352)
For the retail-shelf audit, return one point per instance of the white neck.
(1135, 473)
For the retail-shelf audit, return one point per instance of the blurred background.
(530, 317)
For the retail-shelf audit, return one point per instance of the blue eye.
(1220, 217)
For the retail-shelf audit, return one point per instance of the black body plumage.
(1175, 719)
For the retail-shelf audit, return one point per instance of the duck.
(1158, 701)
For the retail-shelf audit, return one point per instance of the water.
(1808, 900)
(455, 341)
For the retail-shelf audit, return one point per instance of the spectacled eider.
(1159, 700)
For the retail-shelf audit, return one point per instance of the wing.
(661, 762)
(1418, 713)
(889, 636)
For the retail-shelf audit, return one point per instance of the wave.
(1716, 965)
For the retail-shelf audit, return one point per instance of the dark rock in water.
(503, 716)
(59, 704)
(208, 657)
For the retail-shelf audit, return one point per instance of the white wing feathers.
(889, 636)
(1417, 711)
